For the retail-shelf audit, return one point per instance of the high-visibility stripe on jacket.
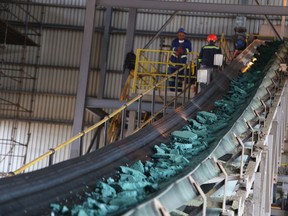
(206, 56)
(186, 46)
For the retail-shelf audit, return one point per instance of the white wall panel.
(15, 53)
(226, 1)
(15, 105)
(13, 142)
(64, 16)
(142, 41)
(113, 85)
(71, 16)
(153, 22)
(116, 52)
(43, 137)
(120, 19)
(63, 2)
(61, 48)
(96, 50)
(93, 83)
(57, 80)
(54, 108)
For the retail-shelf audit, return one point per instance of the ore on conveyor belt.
(73, 181)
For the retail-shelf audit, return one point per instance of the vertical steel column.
(129, 39)
(284, 111)
(249, 207)
(51, 157)
(189, 85)
(275, 130)
(257, 192)
(123, 123)
(283, 20)
(269, 174)
(286, 102)
(263, 182)
(83, 76)
(184, 86)
(131, 123)
(165, 97)
(139, 111)
(153, 101)
(176, 90)
(104, 53)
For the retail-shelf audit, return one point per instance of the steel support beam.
(269, 174)
(129, 46)
(104, 52)
(115, 104)
(197, 7)
(270, 23)
(283, 20)
(83, 77)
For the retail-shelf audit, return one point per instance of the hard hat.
(212, 37)
(181, 30)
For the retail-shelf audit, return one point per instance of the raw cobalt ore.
(133, 184)
(184, 136)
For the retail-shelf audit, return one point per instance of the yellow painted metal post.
(136, 70)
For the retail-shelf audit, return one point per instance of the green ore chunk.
(105, 189)
(138, 166)
(125, 198)
(184, 136)
(206, 117)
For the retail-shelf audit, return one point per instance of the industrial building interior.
(82, 133)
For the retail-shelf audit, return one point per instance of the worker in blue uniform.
(239, 45)
(180, 47)
(206, 59)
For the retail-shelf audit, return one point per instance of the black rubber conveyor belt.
(31, 193)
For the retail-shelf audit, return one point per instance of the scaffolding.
(20, 54)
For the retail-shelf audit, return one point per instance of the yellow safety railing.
(223, 44)
(264, 37)
(228, 51)
(62, 145)
(152, 65)
(115, 123)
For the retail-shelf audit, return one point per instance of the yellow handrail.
(225, 48)
(79, 135)
(148, 70)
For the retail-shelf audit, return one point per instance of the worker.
(239, 45)
(180, 47)
(239, 40)
(130, 60)
(206, 59)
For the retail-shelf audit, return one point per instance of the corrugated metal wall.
(54, 97)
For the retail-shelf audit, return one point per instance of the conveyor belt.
(31, 193)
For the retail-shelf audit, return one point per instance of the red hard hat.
(212, 37)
